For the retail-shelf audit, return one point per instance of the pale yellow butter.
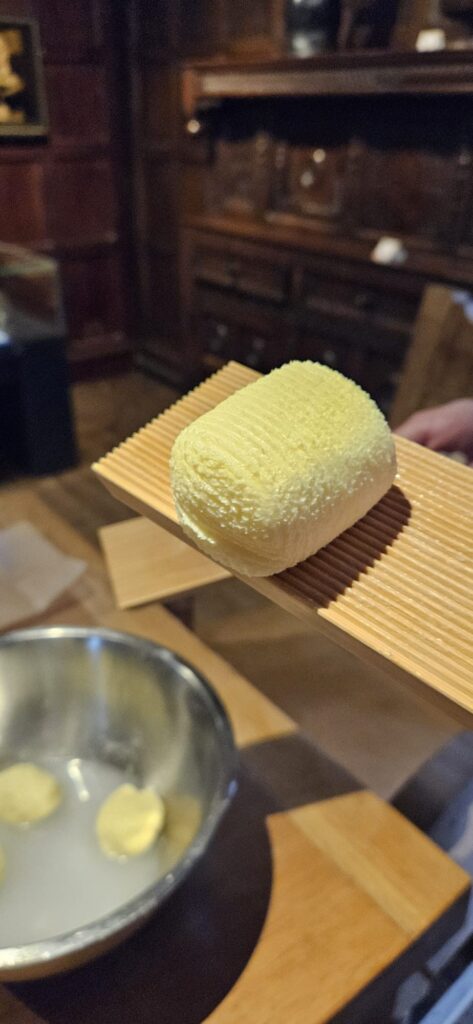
(27, 794)
(129, 821)
(281, 468)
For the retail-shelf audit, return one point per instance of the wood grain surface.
(396, 589)
(147, 563)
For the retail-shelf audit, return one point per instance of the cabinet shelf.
(361, 73)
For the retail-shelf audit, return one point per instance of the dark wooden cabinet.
(240, 178)
(407, 193)
(335, 175)
(309, 182)
(266, 303)
(172, 180)
(243, 272)
(265, 182)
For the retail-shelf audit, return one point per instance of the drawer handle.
(217, 338)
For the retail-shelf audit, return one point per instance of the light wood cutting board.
(396, 589)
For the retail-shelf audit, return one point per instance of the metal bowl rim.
(59, 946)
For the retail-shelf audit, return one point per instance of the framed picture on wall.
(22, 94)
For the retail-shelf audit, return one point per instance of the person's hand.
(446, 428)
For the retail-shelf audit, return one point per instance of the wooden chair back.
(439, 362)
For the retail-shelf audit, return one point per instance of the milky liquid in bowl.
(56, 878)
(100, 708)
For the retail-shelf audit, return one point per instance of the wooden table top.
(311, 890)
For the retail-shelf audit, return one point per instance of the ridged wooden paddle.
(396, 589)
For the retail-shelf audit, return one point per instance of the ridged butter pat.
(279, 469)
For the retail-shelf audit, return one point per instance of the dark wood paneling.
(164, 310)
(93, 297)
(17, 8)
(82, 207)
(200, 27)
(22, 209)
(162, 178)
(62, 195)
(193, 188)
(79, 106)
(156, 29)
(71, 30)
(160, 104)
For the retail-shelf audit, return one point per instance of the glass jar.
(312, 25)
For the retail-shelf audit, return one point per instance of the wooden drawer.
(250, 276)
(226, 326)
(375, 373)
(263, 350)
(243, 310)
(220, 340)
(383, 316)
(216, 337)
(335, 353)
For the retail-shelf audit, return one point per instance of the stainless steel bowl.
(118, 700)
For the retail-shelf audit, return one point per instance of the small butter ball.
(27, 794)
(129, 821)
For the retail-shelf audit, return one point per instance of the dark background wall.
(68, 195)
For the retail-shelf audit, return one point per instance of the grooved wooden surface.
(397, 588)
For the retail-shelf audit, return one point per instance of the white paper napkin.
(33, 573)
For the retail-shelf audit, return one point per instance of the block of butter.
(281, 468)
